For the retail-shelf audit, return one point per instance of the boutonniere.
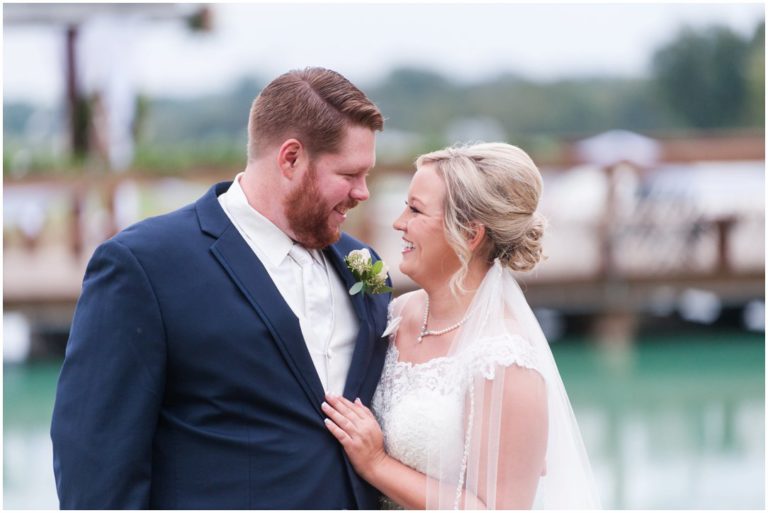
(371, 277)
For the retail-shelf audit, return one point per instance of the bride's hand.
(355, 427)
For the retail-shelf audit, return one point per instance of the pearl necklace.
(425, 332)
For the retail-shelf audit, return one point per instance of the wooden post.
(76, 236)
(78, 115)
(723, 225)
(606, 225)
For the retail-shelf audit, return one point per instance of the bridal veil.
(501, 340)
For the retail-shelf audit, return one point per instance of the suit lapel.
(363, 343)
(337, 259)
(254, 281)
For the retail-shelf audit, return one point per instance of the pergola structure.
(71, 17)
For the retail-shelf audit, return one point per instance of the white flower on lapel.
(371, 276)
(358, 260)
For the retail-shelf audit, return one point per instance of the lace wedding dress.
(432, 414)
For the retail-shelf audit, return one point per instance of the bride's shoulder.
(507, 347)
(400, 314)
(397, 307)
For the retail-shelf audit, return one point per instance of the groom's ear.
(290, 155)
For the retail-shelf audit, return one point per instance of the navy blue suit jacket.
(187, 383)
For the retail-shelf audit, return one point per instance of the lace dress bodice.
(422, 406)
(415, 409)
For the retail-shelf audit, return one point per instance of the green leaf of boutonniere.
(357, 287)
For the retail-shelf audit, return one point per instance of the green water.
(674, 423)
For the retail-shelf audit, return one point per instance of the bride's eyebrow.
(416, 199)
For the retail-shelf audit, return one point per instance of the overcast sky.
(364, 42)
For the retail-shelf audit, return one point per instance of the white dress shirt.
(330, 355)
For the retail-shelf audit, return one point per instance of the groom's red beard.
(308, 213)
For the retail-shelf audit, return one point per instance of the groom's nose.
(359, 190)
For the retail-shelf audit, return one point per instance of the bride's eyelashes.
(412, 209)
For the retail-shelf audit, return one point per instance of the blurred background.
(647, 122)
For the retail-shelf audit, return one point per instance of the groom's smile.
(332, 185)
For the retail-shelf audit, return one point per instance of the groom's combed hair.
(312, 105)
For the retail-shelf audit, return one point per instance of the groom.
(205, 339)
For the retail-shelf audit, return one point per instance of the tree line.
(709, 79)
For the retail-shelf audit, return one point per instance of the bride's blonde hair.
(498, 186)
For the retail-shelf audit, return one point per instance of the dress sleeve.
(488, 356)
(111, 387)
(507, 405)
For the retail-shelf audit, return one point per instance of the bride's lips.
(407, 246)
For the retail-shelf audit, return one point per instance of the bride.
(470, 412)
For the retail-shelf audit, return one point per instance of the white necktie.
(318, 304)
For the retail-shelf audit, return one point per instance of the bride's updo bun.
(496, 185)
(523, 252)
